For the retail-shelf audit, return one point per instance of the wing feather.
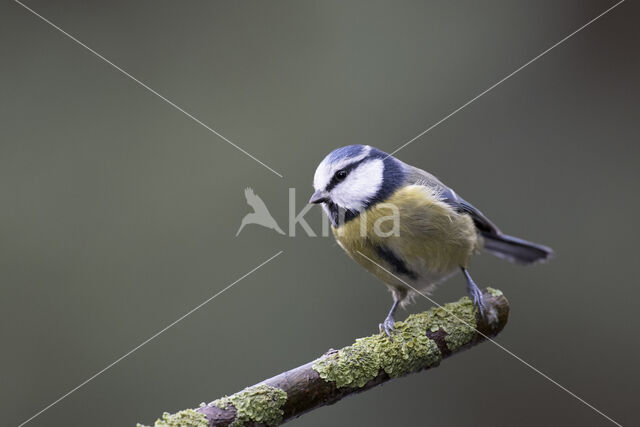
(496, 242)
(420, 177)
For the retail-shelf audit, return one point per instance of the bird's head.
(352, 178)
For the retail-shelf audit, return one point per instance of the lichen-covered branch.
(420, 342)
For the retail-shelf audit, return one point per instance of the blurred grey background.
(118, 213)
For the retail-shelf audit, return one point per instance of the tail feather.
(516, 250)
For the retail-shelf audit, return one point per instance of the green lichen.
(459, 322)
(409, 349)
(186, 418)
(260, 404)
(494, 292)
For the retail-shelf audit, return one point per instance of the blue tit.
(406, 227)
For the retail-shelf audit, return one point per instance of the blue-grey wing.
(421, 177)
(499, 244)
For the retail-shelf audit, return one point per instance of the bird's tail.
(516, 250)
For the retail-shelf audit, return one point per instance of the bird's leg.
(474, 293)
(388, 325)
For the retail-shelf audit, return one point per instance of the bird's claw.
(478, 300)
(388, 326)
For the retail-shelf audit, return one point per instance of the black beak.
(319, 196)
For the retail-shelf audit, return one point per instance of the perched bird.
(260, 214)
(434, 232)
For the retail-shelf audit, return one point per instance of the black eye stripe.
(334, 179)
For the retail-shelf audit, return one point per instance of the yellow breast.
(424, 232)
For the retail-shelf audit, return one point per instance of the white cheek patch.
(322, 176)
(326, 169)
(361, 185)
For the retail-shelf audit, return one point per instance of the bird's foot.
(488, 314)
(388, 326)
(478, 300)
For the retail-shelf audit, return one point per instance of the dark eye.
(341, 174)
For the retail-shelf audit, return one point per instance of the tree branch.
(420, 342)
